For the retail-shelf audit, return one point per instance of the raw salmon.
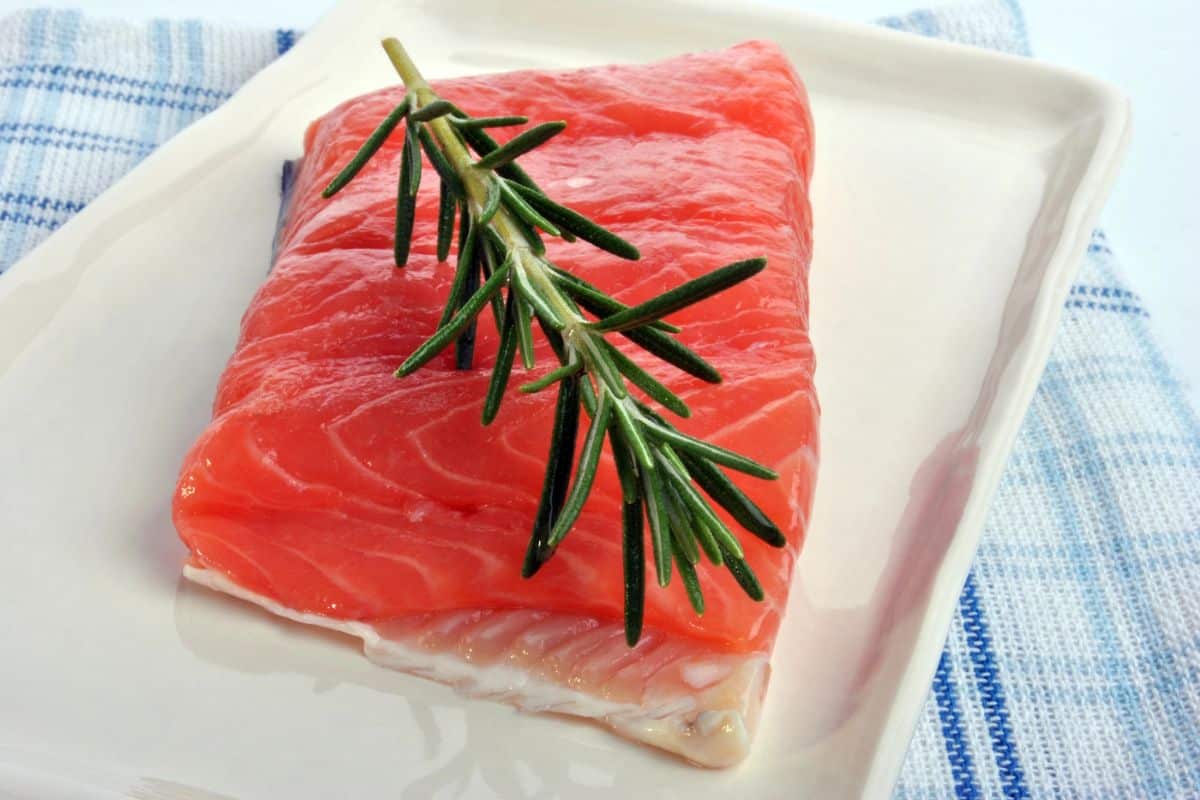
(333, 493)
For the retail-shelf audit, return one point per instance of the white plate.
(954, 194)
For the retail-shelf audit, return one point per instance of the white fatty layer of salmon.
(702, 705)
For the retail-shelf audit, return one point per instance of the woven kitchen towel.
(82, 101)
(1072, 668)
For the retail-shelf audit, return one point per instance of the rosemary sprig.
(667, 477)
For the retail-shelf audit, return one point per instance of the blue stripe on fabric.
(1185, 418)
(1096, 305)
(1149, 541)
(962, 768)
(1062, 665)
(1104, 291)
(1130, 571)
(115, 79)
(1023, 479)
(72, 133)
(16, 100)
(925, 22)
(1096, 370)
(53, 88)
(1108, 378)
(1062, 576)
(43, 141)
(991, 692)
(29, 219)
(1130, 712)
(160, 42)
(1133, 443)
(284, 40)
(1059, 577)
(1136, 441)
(193, 35)
(1024, 46)
(44, 203)
(1118, 454)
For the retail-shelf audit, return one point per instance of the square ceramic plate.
(954, 194)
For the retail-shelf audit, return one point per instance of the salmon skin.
(329, 492)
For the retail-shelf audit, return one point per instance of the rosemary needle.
(660, 534)
(447, 208)
(571, 220)
(648, 383)
(524, 210)
(465, 264)
(442, 338)
(682, 296)
(597, 302)
(634, 563)
(368, 149)
(491, 203)
(745, 577)
(464, 346)
(558, 473)
(504, 364)
(682, 539)
(439, 162)
(525, 332)
(488, 122)
(627, 471)
(699, 533)
(589, 458)
(691, 584)
(667, 477)
(718, 486)
(552, 377)
(702, 512)
(521, 144)
(406, 204)
(437, 108)
(710, 451)
(412, 152)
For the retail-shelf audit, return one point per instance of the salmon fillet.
(328, 491)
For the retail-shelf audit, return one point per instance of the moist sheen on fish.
(330, 492)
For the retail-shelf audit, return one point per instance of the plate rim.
(1061, 267)
(1110, 109)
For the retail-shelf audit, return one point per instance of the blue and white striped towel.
(1072, 668)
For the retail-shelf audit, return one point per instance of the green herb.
(521, 144)
(667, 477)
(632, 547)
(488, 122)
(369, 148)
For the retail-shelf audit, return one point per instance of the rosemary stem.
(533, 268)
(475, 181)
(456, 152)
